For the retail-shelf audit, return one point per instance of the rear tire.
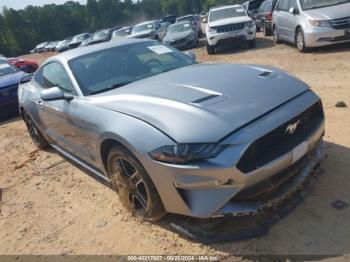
(37, 138)
(133, 185)
(266, 32)
(211, 49)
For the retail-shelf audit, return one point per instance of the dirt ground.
(49, 206)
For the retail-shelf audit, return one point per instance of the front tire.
(37, 138)
(300, 40)
(210, 49)
(133, 185)
(252, 43)
(276, 37)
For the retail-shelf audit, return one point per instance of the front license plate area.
(300, 151)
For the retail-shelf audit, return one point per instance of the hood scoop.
(265, 74)
(204, 99)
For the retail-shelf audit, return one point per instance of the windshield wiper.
(115, 86)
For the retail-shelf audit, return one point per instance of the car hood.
(203, 102)
(11, 79)
(227, 21)
(178, 35)
(329, 13)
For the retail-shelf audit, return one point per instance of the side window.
(38, 77)
(55, 75)
(293, 3)
(284, 5)
(268, 7)
(262, 7)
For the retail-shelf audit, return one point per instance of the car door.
(34, 107)
(280, 16)
(291, 22)
(62, 118)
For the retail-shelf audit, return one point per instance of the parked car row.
(189, 32)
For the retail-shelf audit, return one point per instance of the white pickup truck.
(228, 25)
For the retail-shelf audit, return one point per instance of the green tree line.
(22, 30)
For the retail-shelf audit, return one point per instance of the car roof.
(81, 51)
(223, 7)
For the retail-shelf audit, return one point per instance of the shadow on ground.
(336, 48)
(9, 117)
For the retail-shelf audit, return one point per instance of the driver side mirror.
(190, 55)
(26, 79)
(54, 93)
(293, 11)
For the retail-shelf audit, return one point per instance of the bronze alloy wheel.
(34, 133)
(133, 185)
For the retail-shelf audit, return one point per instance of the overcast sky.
(20, 4)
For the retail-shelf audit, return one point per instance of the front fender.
(137, 136)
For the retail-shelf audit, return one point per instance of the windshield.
(142, 27)
(63, 43)
(112, 68)
(122, 32)
(178, 28)
(314, 4)
(100, 35)
(186, 18)
(78, 38)
(226, 13)
(6, 69)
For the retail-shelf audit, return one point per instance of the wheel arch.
(108, 141)
(296, 30)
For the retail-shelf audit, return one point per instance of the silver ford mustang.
(173, 135)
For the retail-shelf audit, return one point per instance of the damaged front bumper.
(274, 191)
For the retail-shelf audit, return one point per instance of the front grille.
(229, 28)
(267, 188)
(178, 42)
(341, 23)
(231, 40)
(279, 142)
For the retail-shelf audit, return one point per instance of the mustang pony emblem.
(292, 128)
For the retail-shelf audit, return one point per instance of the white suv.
(227, 25)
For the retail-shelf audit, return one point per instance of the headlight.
(320, 23)
(184, 153)
(211, 30)
(250, 24)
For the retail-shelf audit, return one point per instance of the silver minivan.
(312, 23)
